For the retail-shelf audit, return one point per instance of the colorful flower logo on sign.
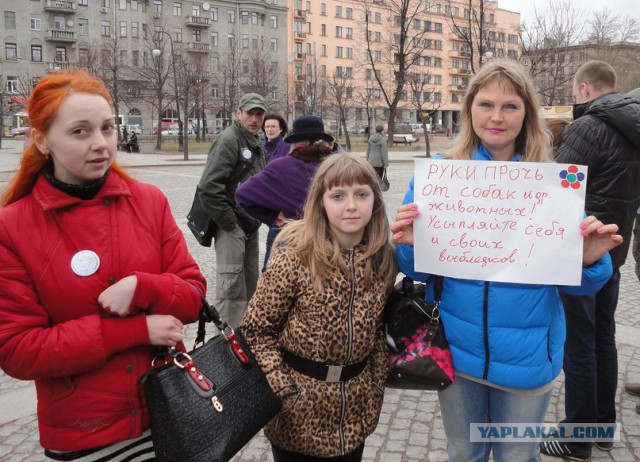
(571, 177)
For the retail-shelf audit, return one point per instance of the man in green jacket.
(235, 155)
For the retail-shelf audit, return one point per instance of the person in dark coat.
(605, 136)
(278, 192)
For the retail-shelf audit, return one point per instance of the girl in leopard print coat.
(315, 321)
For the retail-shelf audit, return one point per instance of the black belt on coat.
(321, 371)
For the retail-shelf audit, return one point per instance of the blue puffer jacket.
(509, 334)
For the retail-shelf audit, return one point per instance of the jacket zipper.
(485, 314)
(349, 350)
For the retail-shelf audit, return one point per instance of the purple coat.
(281, 187)
(275, 149)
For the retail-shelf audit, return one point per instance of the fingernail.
(408, 221)
(601, 229)
(416, 213)
(583, 232)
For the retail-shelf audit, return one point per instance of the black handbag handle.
(438, 286)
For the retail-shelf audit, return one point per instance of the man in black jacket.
(605, 136)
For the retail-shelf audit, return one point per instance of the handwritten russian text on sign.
(500, 221)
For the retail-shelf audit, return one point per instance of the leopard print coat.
(341, 325)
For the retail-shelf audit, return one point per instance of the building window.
(135, 58)
(513, 38)
(36, 53)
(323, 71)
(437, 26)
(349, 52)
(61, 55)
(323, 30)
(195, 10)
(377, 37)
(349, 13)
(122, 5)
(197, 35)
(215, 66)
(338, 52)
(123, 58)
(254, 41)
(123, 28)
(157, 8)
(83, 55)
(377, 18)
(231, 40)
(9, 19)
(338, 11)
(214, 14)
(437, 80)
(338, 31)
(323, 9)
(144, 30)
(177, 35)
(134, 5)
(244, 17)
(323, 50)
(245, 41)
(231, 15)
(214, 39)
(59, 22)
(348, 72)
(135, 30)
(245, 66)
(83, 26)
(83, 2)
(214, 92)
(349, 33)
(274, 22)
(177, 9)
(105, 28)
(274, 44)
(254, 19)
(36, 22)
(12, 84)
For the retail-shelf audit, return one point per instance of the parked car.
(20, 131)
(134, 129)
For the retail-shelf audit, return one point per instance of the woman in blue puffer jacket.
(506, 339)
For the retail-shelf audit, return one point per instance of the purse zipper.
(215, 399)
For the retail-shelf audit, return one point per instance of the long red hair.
(42, 106)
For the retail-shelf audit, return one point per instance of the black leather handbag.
(207, 404)
(200, 224)
(419, 356)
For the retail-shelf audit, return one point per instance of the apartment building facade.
(42, 35)
(346, 42)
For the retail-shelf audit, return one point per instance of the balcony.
(58, 35)
(198, 47)
(457, 88)
(301, 77)
(300, 36)
(300, 56)
(61, 65)
(198, 21)
(300, 14)
(61, 6)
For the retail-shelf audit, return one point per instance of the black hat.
(308, 128)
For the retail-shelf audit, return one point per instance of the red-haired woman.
(94, 273)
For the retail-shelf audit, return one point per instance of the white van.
(134, 129)
(417, 128)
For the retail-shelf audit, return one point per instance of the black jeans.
(280, 455)
(379, 171)
(590, 355)
(271, 236)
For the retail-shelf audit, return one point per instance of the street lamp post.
(156, 52)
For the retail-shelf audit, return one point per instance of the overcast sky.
(526, 8)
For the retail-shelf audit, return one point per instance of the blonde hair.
(312, 239)
(533, 142)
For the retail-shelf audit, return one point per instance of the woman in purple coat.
(274, 128)
(279, 191)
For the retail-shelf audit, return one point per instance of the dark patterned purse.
(420, 358)
(207, 404)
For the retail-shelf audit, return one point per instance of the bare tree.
(191, 70)
(607, 30)
(545, 45)
(391, 61)
(310, 95)
(111, 70)
(155, 73)
(228, 82)
(263, 76)
(425, 104)
(339, 87)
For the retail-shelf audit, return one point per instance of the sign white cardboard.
(500, 221)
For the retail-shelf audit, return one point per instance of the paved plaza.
(410, 428)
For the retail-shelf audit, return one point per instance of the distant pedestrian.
(315, 321)
(235, 155)
(278, 193)
(274, 128)
(125, 134)
(94, 275)
(378, 151)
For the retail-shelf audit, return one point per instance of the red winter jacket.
(86, 365)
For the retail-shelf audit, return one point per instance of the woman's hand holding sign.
(402, 228)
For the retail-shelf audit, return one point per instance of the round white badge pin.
(246, 153)
(85, 263)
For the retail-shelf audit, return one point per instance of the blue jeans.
(590, 354)
(465, 402)
(271, 236)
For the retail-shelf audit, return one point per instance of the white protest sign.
(500, 221)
